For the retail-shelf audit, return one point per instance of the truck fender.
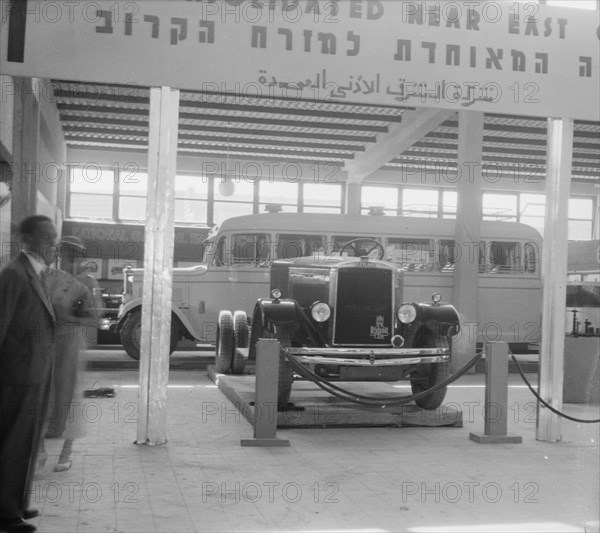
(284, 311)
(444, 314)
(441, 318)
(277, 310)
(132, 305)
(127, 308)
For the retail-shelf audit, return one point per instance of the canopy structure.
(352, 92)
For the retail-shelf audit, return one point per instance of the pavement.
(375, 479)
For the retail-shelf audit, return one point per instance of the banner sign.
(125, 242)
(494, 56)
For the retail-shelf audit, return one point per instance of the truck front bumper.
(369, 357)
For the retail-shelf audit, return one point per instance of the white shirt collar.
(38, 265)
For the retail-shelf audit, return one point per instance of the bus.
(234, 270)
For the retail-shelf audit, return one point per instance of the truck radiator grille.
(363, 310)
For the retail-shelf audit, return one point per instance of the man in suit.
(27, 330)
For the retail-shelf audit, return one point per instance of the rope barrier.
(372, 401)
(546, 404)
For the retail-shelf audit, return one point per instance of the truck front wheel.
(131, 334)
(427, 375)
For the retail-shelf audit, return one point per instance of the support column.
(26, 126)
(468, 229)
(554, 275)
(158, 266)
(353, 198)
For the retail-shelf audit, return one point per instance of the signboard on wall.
(120, 244)
(494, 56)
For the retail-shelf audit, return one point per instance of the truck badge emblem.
(379, 331)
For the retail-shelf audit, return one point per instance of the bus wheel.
(131, 334)
(225, 343)
(427, 375)
(240, 327)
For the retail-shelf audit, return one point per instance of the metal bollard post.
(496, 397)
(265, 404)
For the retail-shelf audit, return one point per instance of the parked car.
(344, 317)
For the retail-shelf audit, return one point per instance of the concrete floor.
(411, 479)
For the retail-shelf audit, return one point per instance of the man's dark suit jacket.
(26, 325)
(27, 331)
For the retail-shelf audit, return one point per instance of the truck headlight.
(320, 311)
(406, 313)
(276, 294)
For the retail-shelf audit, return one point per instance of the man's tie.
(44, 275)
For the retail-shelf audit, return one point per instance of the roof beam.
(399, 138)
(67, 109)
(91, 98)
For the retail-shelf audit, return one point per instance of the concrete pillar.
(265, 405)
(468, 229)
(26, 125)
(559, 157)
(496, 397)
(353, 198)
(158, 266)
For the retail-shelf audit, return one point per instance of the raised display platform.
(314, 408)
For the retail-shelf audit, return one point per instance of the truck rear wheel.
(427, 375)
(241, 336)
(225, 343)
(131, 334)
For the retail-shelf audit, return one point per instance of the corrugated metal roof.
(115, 118)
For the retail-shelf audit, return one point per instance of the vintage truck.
(345, 318)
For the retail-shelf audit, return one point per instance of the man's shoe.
(16, 525)
(62, 467)
(28, 514)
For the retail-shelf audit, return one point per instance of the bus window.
(530, 258)
(411, 254)
(249, 248)
(483, 262)
(219, 259)
(447, 255)
(502, 257)
(292, 245)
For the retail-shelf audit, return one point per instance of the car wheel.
(427, 375)
(225, 343)
(241, 336)
(131, 334)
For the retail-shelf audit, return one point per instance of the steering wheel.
(361, 252)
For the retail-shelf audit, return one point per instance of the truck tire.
(241, 336)
(225, 346)
(131, 334)
(427, 375)
(286, 377)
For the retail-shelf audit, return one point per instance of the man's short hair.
(29, 225)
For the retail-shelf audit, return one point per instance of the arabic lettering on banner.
(515, 57)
